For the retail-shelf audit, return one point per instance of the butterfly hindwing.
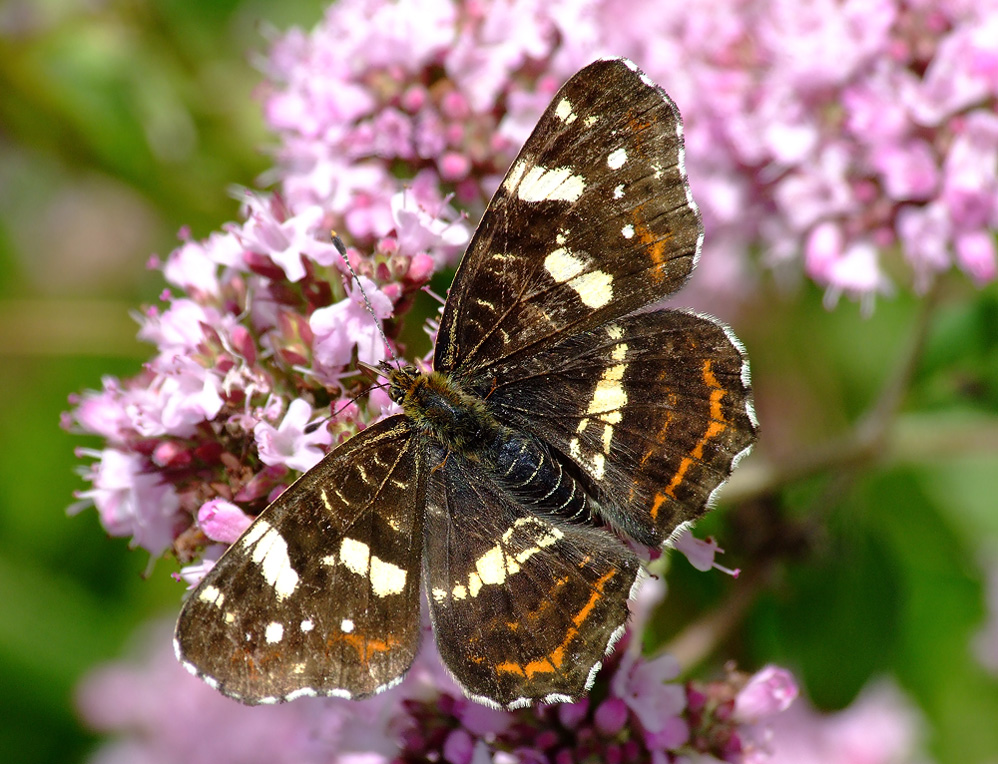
(320, 596)
(524, 606)
(593, 220)
(654, 408)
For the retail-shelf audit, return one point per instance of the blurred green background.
(121, 122)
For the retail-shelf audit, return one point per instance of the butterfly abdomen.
(522, 465)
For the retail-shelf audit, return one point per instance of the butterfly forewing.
(524, 607)
(593, 220)
(320, 596)
(654, 408)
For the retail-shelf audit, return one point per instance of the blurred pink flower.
(880, 727)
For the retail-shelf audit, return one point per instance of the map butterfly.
(559, 419)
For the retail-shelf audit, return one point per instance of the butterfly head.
(400, 380)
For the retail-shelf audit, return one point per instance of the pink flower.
(975, 252)
(909, 170)
(283, 239)
(159, 713)
(186, 395)
(346, 325)
(420, 229)
(222, 521)
(648, 689)
(700, 552)
(103, 413)
(132, 500)
(880, 727)
(291, 444)
(770, 691)
(178, 329)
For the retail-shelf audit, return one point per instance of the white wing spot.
(514, 175)
(307, 625)
(439, 595)
(595, 289)
(493, 566)
(627, 231)
(564, 111)
(386, 578)
(608, 434)
(616, 159)
(562, 265)
(540, 184)
(609, 395)
(325, 500)
(355, 556)
(270, 552)
(474, 584)
(212, 595)
(346, 626)
(618, 191)
(498, 563)
(255, 532)
(329, 559)
(274, 632)
(599, 463)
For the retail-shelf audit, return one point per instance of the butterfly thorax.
(440, 408)
(461, 423)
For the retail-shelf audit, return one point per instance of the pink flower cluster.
(854, 141)
(264, 333)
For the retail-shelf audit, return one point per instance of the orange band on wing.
(365, 647)
(551, 662)
(717, 425)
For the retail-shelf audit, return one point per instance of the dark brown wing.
(524, 607)
(654, 409)
(320, 596)
(593, 220)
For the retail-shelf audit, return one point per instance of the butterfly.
(561, 417)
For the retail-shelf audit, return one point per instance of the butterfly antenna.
(313, 426)
(342, 249)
